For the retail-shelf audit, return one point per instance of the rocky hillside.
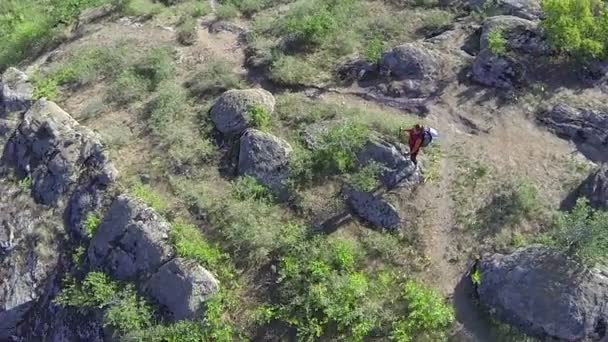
(193, 170)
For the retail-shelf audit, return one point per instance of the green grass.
(227, 11)
(248, 188)
(366, 178)
(91, 224)
(186, 31)
(147, 195)
(213, 79)
(497, 43)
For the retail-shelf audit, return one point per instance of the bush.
(248, 188)
(428, 317)
(128, 312)
(216, 77)
(578, 28)
(497, 43)
(156, 66)
(227, 11)
(311, 28)
(260, 118)
(338, 148)
(366, 179)
(583, 233)
(91, 224)
(128, 88)
(186, 31)
(167, 109)
(374, 50)
(97, 290)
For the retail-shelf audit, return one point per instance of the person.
(415, 141)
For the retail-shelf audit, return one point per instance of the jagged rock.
(93, 15)
(577, 124)
(55, 151)
(132, 241)
(545, 294)
(396, 167)
(522, 36)
(497, 71)
(527, 9)
(183, 287)
(230, 113)
(16, 92)
(225, 26)
(31, 244)
(415, 68)
(374, 209)
(266, 158)
(595, 188)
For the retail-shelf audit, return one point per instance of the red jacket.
(416, 137)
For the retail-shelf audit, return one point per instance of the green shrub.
(91, 224)
(25, 184)
(200, 9)
(182, 331)
(186, 31)
(311, 26)
(141, 8)
(156, 66)
(167, 109)
(128, 88)
(147, 195)
(260, 118)
(128, 312)
(577, 27)
(227, 11)
(583, 233)
(497, 43)
(97, 290)
(248, 188)
(366, 179)
(476, 277)
(428, 317)
(215, 78)
(45, 88)
(374, 50)
(78, 256)
(291, 70)
(338, 148)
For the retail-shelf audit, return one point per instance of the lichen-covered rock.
(497, 71)
(414, 69)
(595, 188)
(131, 242)
(521, 35)
(578, 124)
(16, 92)
(395, 166)
(182, 286)
(527, 9)
(31, 244)
(374, 209)
(55, 151)
(265, 158)
(545, 294)
(230, 113)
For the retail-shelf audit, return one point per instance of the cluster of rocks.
(71, 177)
(266, 157)
(545, 294)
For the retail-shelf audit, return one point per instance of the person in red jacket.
(415, 140)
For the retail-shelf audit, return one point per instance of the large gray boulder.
(265, 158)
(497, 71)
(521, 35)
(374, 209)
(527, 9)
(182, 286)
(545, 294)
(396, 167)
(595, 188)
(16, 92)
(415, 69)
(55, 151)
(578, 124)
(230, 113)
(131, 242)
(31, 245)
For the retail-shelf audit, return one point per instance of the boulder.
(497, 71)
(522, 36)
(527, 9)
(132, 241)
(412, 61)
(545, 294)
(577, 124)
(230, 113)
(374, 209)
(395, 165)
(16, 92)
(265, 158)
(595, 188)
(31, 245)
(182, 287)
(55, 151)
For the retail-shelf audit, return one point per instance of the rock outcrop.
(265, 158)
(496, 71)
(521, 35)
(577, 124)
(16, 92)
(595, 188)
(230, 113)
(414, 67)
(396, 168)
(545, 294)
(131, 242)
(182, 287)
(527, 9)
(55, 151)
(374, 209)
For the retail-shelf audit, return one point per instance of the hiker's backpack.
(429, 135)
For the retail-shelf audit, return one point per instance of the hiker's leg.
(413, 156)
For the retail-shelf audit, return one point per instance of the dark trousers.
(413, 156)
